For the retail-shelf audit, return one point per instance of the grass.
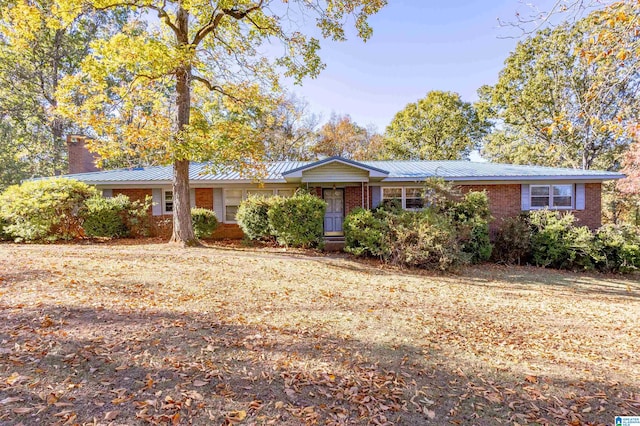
(137, 334)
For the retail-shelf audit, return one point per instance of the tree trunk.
(182, 226)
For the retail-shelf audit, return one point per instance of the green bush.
(556, 242)
(114, 217)
(619, 247)
(512, 244)
(298, 221)
(423, 239)
(44, 209)
(253, 217)
(366, 233)
(471, 217)
(204, 222)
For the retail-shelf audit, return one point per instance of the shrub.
(471, 217)
(297, 221)
(512, 244)
(4, 236)
(204, 222)
(366, 232)
(557, 243)
(253, 217)
(619, 247)
(423, 240)
(44, 209)
(115, 217)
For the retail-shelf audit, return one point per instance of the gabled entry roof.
(373, 171)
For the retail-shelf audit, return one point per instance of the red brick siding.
(352, 198)
(134, 194)
(80, 159)
(505, 201)
(591, 216)
(228, 231)
(204, 198)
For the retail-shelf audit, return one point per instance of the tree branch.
(213, 88)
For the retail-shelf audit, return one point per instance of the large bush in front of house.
(115, 217)
(204, 222)
(297, 221)
(366, 233)
(619, 247)
(253, 217)
(451, 230)
(556, 242)
(44, 210)
(4, 236)
(512, 244)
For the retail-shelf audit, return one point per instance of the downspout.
(362, 194)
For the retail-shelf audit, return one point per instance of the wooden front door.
(335, 211)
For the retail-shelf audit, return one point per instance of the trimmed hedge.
(298, 221)
(253, 217)
(204, 222)
(44, 210)
(115, 217)
(293, 222)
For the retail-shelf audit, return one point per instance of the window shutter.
(376, 196)
(217, 204)
(192, 197)
(580, 197)
(525, 197)
(107, 193)
(156, 197)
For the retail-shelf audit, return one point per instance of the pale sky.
(417, 46)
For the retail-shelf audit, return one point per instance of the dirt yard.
(152, 334)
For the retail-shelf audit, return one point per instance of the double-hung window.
(552, 196)
(167, 202)
(411, 198)
(232, 200)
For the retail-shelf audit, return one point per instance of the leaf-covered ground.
(136, 334)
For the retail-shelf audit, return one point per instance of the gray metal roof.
(398, 171)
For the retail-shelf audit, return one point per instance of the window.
(551, 196)
(407, 198)
(260, 192)
(285, 193)
(167, 202)
(232, 199)
(414, 198)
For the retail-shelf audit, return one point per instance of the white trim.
(403, 196)
(164, 201)
(297, 173)
(550, 206)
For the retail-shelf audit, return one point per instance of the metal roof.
(275, 172)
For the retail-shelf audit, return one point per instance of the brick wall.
(81, 160)
(352, 198)
(505, 201)
(591, 216)
(204, 198)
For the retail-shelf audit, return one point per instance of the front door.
(335, 211)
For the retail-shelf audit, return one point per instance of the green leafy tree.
(544, 106)
(193, 84)
(33, 61)
(441, 126)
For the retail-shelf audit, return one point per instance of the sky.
(417, 46)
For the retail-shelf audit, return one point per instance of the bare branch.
(214, 88)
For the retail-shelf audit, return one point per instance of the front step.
(333, 243)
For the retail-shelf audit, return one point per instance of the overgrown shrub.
(619, 247)
(471, 216)
(366, 233)
(204, 222)
(44, 209)
(298, 221)
(115, 217)
(253, 217)
(556, 242)
(512, 244)
(423, 239)
(4, 236)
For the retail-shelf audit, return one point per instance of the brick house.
(346, 184)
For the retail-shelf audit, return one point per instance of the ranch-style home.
(346, 184)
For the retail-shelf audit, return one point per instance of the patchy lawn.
(129, 334)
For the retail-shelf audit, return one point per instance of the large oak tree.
(189, 79)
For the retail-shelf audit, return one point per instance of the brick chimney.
(81, 160)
